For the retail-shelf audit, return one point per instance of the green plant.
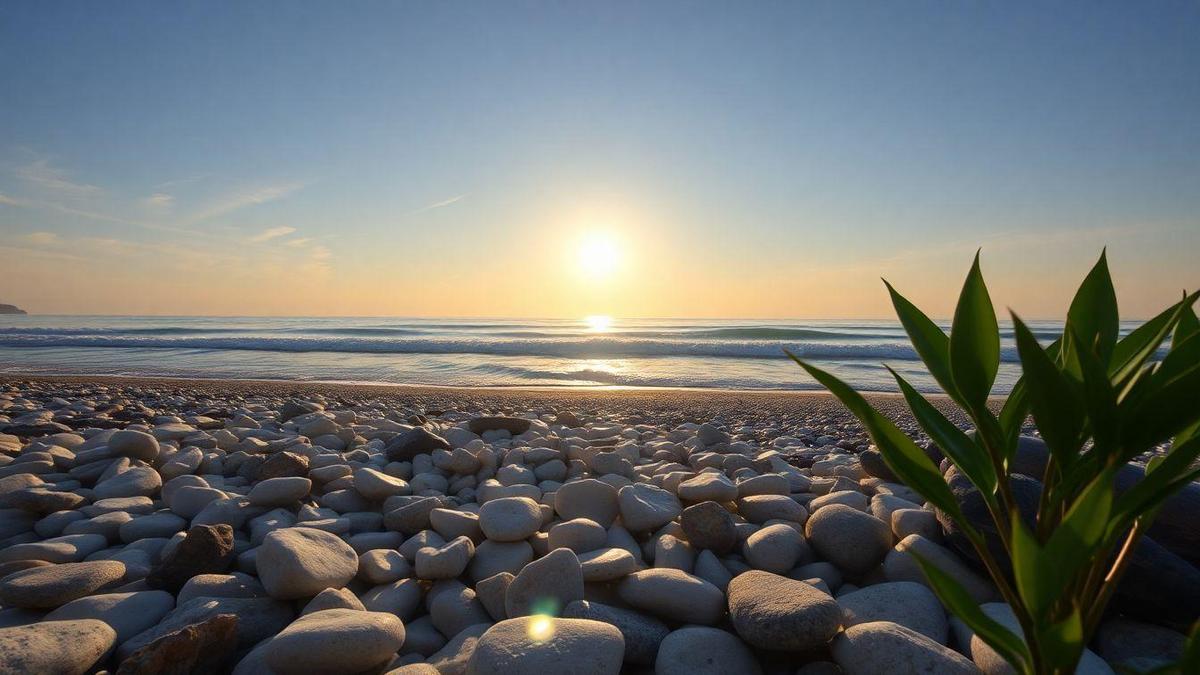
(1099, 402)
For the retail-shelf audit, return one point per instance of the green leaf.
(1062, 642)
(1037, 584)
(974, 342)
(1092, 318)
(1100, 401)
(1014, 412)
(1169, 404)
(909, 462)
(960, 603)
(1188, 326)
(1169, 474)
(1128, 360)
(1052, 397)
(1080, 535)
(970, 458)
(931, 344)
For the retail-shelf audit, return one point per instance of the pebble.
(673, 595)
(55, 585)
(853, 540)
(774, 612)
(699, 650)
(884, 647)
(299, 562)
(335, 641)
(510, 519)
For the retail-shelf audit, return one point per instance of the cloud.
(159, 200)
(43, 238)
(9, 201)
(41, 174)
(437, 205)
(272, 233)
(299, 242)
(241, 200)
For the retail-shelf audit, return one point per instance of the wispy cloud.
(298, 242)
(159, 200)
(9, 201)
(43, 238)
(243, 199)
(437, 205)
(41, 174)
(272, 233)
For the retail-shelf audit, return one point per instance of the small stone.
(545, 585)
(207, 549)
(539, 645)
(588, 498)
(335, 641)
(513, 425)
(55, 585)
(417, 441)
(282, 465)
(774, 612)
(707, 486)
(700, 650)
(761, 508)
(645, 508)
(133, 444)
(378, 486)
(510, 518)
(127, 613)
(299, 562)
(854, 541)
(708, 525)
(280, 491)
(383, 566)
(607, 564)
(444, 562)
(673, 595)
(642, 633)
(333, 598)
(580, 535)
(776, 548)
(906, 603)
(884, 647)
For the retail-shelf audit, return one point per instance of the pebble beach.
(158, 525)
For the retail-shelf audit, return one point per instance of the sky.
(561, 159)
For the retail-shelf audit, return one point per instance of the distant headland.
(11, 309)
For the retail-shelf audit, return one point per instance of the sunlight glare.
(541, 628)
(598, 323)
(597, 256)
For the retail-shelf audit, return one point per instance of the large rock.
(991, 663)
(645, 507)
(133, 444)
(539, 645)
(510, 518)
(54, 585)
(299, 562)
(708, 525)
(700, 650)
(127, 613)
(674, 595)
(907, 603)
(207, 549)
(642, 633)
(588, 498)
(59, 647)
(202, 647)
(335, 641)
(258, 619)
(774, 612)
(900, 565)
(854, 541)
(545, 585)
(416, 441)
(884, 647)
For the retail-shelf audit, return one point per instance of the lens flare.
(541, 628)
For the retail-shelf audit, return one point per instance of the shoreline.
(666, 404)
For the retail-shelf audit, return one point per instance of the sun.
(597, 256)
(598, 323)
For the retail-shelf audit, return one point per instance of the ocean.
(729, 354)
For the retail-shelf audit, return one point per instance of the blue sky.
(444, 158)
